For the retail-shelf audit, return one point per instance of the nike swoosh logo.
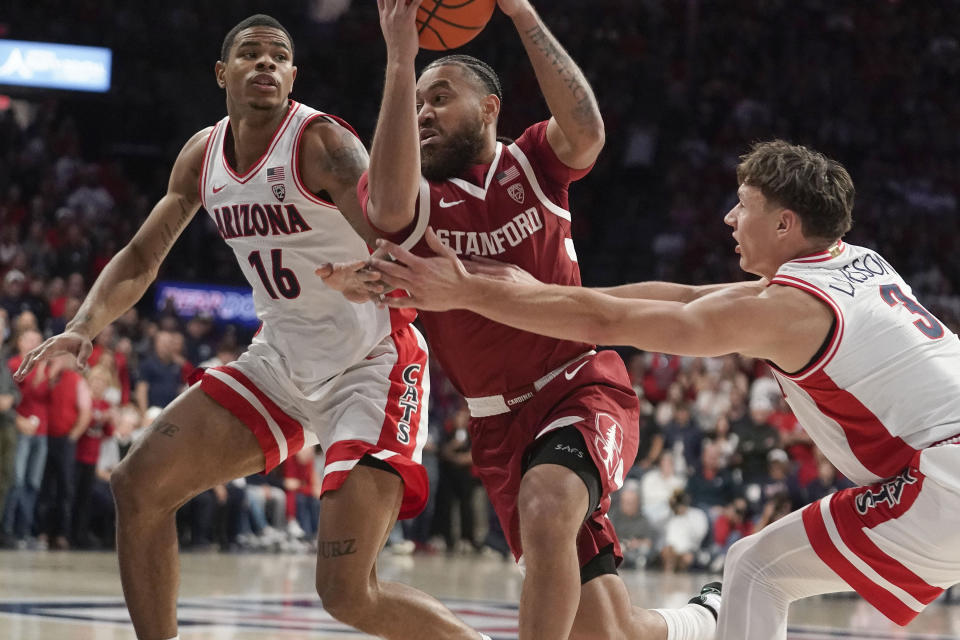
(569, 374)
(217, 189)
(447, 205)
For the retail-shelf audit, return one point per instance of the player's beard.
(460, 150)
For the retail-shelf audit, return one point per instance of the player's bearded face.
(457, 150)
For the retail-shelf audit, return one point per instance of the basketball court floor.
(76, 596)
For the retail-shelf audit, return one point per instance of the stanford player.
(279, 180)
(553, 422)
(873, 377)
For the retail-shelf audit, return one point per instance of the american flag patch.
(274, 174)
(509, 175)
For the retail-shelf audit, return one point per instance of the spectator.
(683, 436)
(199, 338)
(126, 431)
(31, 455)
(636, 533)
(69, 415)
(160, 376)
(711, 487)
(657, 486)
(650, 445)
(457, 484)
(9, 398)
(828, 481)
(99, 379)
(302, 484)
(13, 298)
(684, 534)
(105, 347)
(757, 439)
(731, 525)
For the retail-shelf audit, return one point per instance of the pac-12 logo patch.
(609, 442)
(279, 191)
(515, 191)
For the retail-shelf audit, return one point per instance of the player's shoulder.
(192, 152)
(329, 131)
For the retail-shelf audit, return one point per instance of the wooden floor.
(54, 595)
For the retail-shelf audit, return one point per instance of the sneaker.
(709, 598)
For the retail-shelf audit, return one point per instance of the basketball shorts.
(592, 394)
(376, 407)
(895, 542)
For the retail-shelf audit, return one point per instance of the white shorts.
(376, 407)
(896, 542)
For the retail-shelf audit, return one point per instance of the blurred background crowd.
(684, 87)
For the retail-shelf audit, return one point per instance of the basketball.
(448, 24)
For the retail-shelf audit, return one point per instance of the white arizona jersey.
(280, 233)
(887, 382)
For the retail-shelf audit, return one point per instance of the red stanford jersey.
(514, 210)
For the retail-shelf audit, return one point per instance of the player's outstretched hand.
(433, 284)
(355, 280)
(478, 265)
(399, 26)
(66, 342)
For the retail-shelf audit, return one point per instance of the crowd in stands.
(684, 89)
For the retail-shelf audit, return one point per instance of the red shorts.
(599, 401)
(377, 407)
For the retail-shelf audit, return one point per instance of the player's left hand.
(355, 280)
(433, 284)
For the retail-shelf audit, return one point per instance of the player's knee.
(135, 494)
(550, 503)
(739, 558)
(346, 602)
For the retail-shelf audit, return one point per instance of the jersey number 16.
(285, 279)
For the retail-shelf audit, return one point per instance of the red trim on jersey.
(236, 404)
(292, 430)
(252, 171)
(831, 350)
(884, 601)
(295, 161)
(416, 487)
(851, 524)
(880, 452)
(202, 184)
(240, 407)
(823, 256)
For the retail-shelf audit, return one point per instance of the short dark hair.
(480, 70)
(817, 188)
(256, 20)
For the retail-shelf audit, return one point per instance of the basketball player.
(279, 179)
(553, 423)
(872, 375)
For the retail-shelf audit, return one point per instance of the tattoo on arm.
(585, 110)
(169, 233)
(165, 428)
(345, 162)
(337, 548)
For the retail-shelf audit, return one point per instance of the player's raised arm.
(129, 273)
(395, 155)
(575, 132)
